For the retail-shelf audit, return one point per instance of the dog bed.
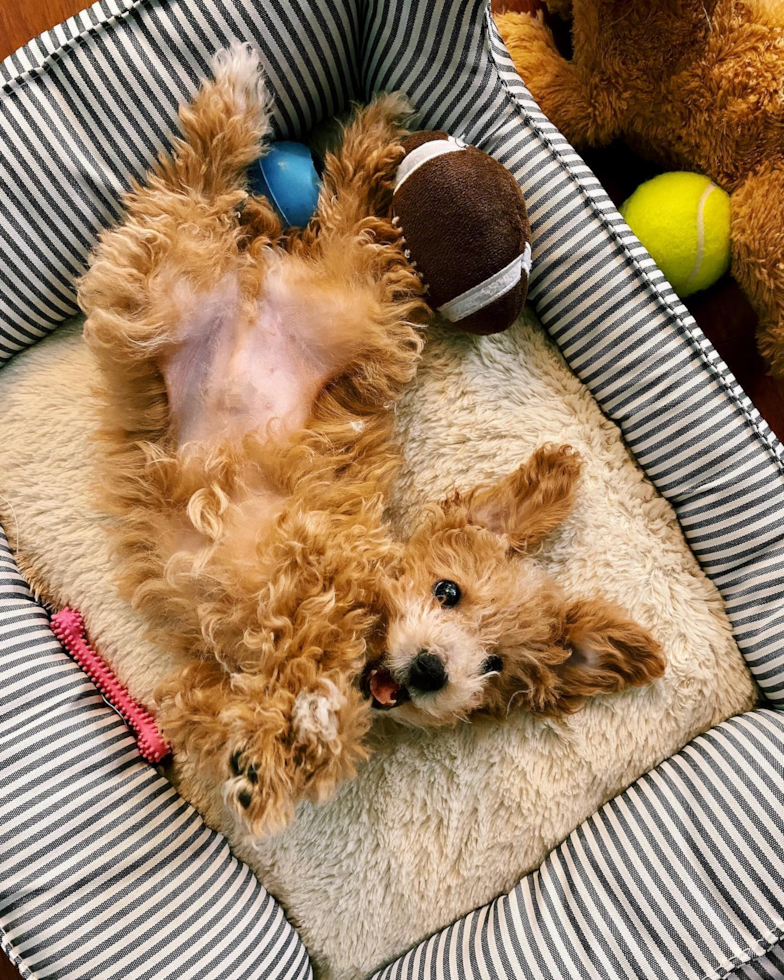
(643, 887)
(364, 875)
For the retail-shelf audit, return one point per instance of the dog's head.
(474, 624)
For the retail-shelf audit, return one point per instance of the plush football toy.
(466, 231)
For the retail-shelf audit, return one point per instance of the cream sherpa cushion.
(437, 823)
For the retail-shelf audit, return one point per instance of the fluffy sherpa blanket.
(437, 823)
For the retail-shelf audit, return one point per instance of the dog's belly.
(231, 373)
(259, 366)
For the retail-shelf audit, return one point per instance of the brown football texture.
(465, 227)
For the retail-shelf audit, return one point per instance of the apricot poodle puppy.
(248, 380)
(474, 624)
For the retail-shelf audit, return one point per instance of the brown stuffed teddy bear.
(693, 84)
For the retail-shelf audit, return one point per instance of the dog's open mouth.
(380, 686)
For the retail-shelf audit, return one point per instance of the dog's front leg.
(271, 712)
(259, 742)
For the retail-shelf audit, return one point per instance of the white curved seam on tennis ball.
(700, 232)
(423, 154)
(486, 292)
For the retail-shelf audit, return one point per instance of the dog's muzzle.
(426, 674)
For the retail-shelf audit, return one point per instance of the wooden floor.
(21, 20)
(722, 311)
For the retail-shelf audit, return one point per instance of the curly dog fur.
(692, 84)
(248, 380)
(507, 635)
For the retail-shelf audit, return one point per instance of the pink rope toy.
(68, 627)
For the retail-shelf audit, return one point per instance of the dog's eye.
(448, 593)
(493, 665)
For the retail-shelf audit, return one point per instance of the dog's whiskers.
(509, 704)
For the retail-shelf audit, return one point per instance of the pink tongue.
(384, 687)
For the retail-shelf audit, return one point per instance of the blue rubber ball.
(287, 176)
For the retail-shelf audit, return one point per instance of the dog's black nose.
(427, 672)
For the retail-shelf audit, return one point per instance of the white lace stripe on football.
(422, 154)
(484, 293)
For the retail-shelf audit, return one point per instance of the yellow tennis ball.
(683, 219)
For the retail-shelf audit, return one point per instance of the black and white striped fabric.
(105, 872)
(675, 878)
(769, 966)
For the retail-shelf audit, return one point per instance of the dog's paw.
(246, 777)
(259, 771)
(239, 68)
(395, 109)
(328, 725)
(302, 752)
(315, 721)
(259, 786)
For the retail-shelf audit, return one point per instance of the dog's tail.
(224, 127)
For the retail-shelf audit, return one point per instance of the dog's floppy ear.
(532, 501)
(608, 651)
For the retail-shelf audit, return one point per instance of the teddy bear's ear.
(608, 651)
(532, 501)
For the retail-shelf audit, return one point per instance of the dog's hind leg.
(355, 249)
(224, 128)
(359, 178)
(185, 217)
(170, 280)
(181, 241)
